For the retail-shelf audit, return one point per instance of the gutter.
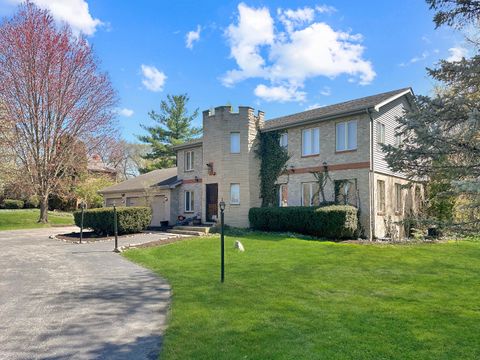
(371, 178)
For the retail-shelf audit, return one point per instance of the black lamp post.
(82, 206)
(115, 227)
(222, 240)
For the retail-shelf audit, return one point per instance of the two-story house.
(343, 140)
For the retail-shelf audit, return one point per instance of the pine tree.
(174, 127)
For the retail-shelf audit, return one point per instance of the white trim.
(392, 98)
(192, 201)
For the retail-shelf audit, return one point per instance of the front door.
(212, 201)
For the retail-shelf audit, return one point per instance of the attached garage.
(156, 189)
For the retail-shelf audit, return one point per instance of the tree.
(456, 13)
(174, 127)
(54, 96)
(441, 133)
(87, 190)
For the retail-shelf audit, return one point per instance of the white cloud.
(457, 53)
(415, 59)
(153, 79)
(304, 50)
(192, 36)
(125, 112)
(325, 9)
(313, 106)
(74, 12)
(326, 91)
(279, 93)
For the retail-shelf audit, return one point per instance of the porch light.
(222, 205)
(325, 166)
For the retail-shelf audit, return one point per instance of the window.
(310, 194)
(284, 140)
(310, 142)
(189, 160)
(380, 196)
(346, 135)
(398, 140)
(380, 133)
(189, 204)
(235, 143)
(346, 191)
(234, 193)
(398, 198)
(283, 195)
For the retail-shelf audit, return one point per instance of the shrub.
(32, 202)
(130, 219)
(13, 204)
(333, 222)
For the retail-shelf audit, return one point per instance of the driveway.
(77, 301)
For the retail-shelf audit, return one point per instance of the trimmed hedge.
(13, 204)
(130, 219)
(333, 222)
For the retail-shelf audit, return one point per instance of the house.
(343, 139)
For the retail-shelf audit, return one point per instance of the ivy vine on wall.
(273, 158)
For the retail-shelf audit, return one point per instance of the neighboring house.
(344, 139)
(96, 167)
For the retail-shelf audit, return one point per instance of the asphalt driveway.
(70, 301)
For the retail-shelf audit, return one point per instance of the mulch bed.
(88, 236)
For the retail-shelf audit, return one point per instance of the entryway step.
(202, 229)
(186, 232)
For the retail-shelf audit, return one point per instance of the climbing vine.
(273, 158)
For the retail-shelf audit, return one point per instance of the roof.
(95, 164)
(162, 178)
(336, 110)
(189, 143)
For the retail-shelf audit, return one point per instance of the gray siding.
(388, 116)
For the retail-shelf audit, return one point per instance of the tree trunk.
(43, 210)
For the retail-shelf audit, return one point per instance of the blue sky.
(277, 56)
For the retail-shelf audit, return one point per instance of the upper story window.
(235, 142)
(380, 133)
(398, 140)
(189, 156)
(235, 194)
(310, 141)
(346, 135)
(284, 140)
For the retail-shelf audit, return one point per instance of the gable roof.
(336, 110)
(162, 178)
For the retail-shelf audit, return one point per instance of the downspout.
(371, 179)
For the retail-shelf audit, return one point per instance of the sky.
(280, 57)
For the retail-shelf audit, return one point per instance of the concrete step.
(202, 229)
(185, 232)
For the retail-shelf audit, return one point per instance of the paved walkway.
(70, 301)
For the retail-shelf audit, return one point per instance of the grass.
(27, 219)
(286, 298)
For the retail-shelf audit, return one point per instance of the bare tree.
(53, 96)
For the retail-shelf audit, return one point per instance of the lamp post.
(82, 206)
(115, 227)
(222, 240)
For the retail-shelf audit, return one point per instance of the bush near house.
(130, 219)
(13, 204)
(333, 222)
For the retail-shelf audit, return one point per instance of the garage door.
(159, 212)
(136, 201)
(110, 201)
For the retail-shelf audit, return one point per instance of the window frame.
(380, 133)
(189, 160)
(381, 201)
(232, 185)
(280, 195)
(398, 140)
(398, 198)
(311, 192)
(346, 137)
(312, 141)
(191, 203)
(282, 141)
(237, 135)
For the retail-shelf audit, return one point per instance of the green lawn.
(286, 298)
(27, 219)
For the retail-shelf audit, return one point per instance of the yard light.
(115, 227)
(82, 206)
(222, 240)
